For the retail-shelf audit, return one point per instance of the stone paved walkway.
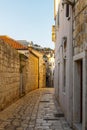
(35, 111)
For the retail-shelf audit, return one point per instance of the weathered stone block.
(9, 76)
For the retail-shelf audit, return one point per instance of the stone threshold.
(77, 126)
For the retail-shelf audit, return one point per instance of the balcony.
(53, 33)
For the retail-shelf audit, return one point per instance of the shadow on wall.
(23, 75)
(49, 81)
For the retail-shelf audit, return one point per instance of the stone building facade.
(23, 74)
(21, 71)
(70, 78)
(41, 67)
(80, 64)
(63, 59)
(9, 75)
(33, 70)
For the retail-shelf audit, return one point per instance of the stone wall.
(33, 73)
(80, 64)
(19, 74)
(41, 67)
(63, 78)
(80, 26)
(9, 75)
(32, 70)
(23, 74)
(42, 72)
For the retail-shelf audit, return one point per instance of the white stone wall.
(64, 29)
(74, 97)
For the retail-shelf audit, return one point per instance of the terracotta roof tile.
(13, 43)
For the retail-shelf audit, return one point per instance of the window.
(64, 46)
(64, 64)
(64, 51)
(67, 10)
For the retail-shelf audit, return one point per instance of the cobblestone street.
(35, 111)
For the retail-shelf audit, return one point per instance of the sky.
(29, 20)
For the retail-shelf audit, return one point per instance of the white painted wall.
(64, 29)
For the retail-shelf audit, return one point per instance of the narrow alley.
(43, 65)
(36, 111)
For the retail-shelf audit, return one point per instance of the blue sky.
(29, 20)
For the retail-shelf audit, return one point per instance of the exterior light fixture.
(67, 2)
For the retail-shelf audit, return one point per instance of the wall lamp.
(67, 2)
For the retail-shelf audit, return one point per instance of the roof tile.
(13, 43)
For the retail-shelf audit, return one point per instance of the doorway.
(80, 74)
(78, 91)
(58, 78)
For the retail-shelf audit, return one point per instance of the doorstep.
(77, 126)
